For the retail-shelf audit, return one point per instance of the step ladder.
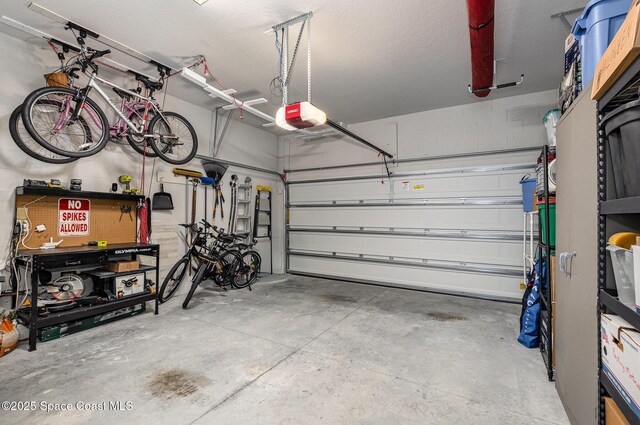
(262, 218)
(243, 217)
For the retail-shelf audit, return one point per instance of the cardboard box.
(121, 266)
(613, 414)
(623, 50)
(553, 278)
(621, 357)
(553, 333)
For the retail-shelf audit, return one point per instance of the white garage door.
(449, 230)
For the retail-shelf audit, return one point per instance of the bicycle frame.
(148, 101)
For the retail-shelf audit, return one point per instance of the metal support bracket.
(495, 85)
(563, 18)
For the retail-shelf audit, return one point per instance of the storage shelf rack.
(545, 252)
(615, 215)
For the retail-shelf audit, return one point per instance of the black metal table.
(46, 259)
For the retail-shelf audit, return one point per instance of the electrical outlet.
(24, 224)
(21, 213)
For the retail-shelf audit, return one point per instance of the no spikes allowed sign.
(73, 217)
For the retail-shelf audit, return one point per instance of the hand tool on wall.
(162, 200)
(189, 175)
(207, 182)
(231, 228)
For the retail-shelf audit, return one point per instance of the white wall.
(21, 70)
(500, 124)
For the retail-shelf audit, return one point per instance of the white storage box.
(621, 357)
(622, 260)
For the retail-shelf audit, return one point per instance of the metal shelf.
(613, 392)
(82, 312)
(621, 206)
(615, 306)
(36, 190)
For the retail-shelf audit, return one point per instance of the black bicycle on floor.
(191, 259)
(227, 263)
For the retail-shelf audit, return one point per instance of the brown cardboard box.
(553, 333)
(121, 266)
(623, 50)
(613, 414)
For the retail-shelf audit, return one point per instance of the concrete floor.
(297, 351)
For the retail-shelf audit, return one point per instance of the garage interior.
(320, 212)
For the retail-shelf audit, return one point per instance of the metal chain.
(309, 59)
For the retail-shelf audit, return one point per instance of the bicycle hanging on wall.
(67, 122)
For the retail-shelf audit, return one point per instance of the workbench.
(34, 261)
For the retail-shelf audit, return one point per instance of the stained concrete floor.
(293, 351)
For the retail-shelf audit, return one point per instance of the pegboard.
(105, 220)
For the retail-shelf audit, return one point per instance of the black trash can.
(622, 128)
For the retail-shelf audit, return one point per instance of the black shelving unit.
(615, 215)
(545, 250)
(60, 258)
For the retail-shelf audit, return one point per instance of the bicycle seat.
(151, 85)
(226, 238)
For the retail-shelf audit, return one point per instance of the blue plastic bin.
(594, 30)
(528, 187)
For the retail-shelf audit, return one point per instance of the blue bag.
(530, 319)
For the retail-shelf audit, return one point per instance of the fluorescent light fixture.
(201, 2)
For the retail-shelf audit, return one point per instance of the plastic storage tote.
(622, 128)
(622, 261)
(594, 30)
(528, 187)
(543, 220)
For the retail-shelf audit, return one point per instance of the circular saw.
(67, 287)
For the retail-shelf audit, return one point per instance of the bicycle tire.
(27, 109)
(202, 270)
(165, 294)
(137, 145)
(246, 272)
(164, 150)
(25, 142)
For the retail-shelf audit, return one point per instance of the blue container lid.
(599, 10)
(527, 181)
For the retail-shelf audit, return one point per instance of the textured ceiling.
(371, 58)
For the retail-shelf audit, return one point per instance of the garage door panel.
(479, 251)
(459, 217)
(501, 287)
(460, 185)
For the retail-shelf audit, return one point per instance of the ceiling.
(371, 58)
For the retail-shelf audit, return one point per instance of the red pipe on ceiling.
(481, 14)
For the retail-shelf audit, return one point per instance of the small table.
(47, 259)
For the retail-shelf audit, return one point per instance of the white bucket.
(622, 260)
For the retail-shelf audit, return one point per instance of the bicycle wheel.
(46, 113)
(173, 280)
(138, 142)
(29, 146)
(199, 277)
(175, 140)
(246, 269)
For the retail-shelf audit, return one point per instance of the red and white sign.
(73, 217)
